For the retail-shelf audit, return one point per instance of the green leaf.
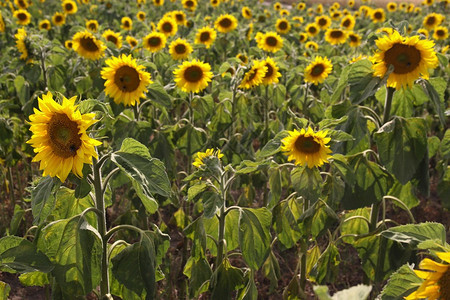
(307, 182)
(445, 145)
(321, 292)
(247, 166)
(149, 173)
(225, 280)
(362, 82)
(285, 215)
(433, 145)
(43, 198)
(68, 206)
(82, 84)
(402, 144)
(75, 251)
(443, 188)
(415, 233)
(405, 193)
(254, 235)
(211, 203)
(83, 188)
(22, 255)
(231, 234)
(22, 89)
(199, 272)
(272, 147)
(355, 225)
(132, 146)
(158, 94)
(196, 190)
(274, 185)
(150, 204)
(435, 96)
(326, 268)
(134, 266)
(401, 283)
(34, 279)
(4, 290)
(196, 232)
(271, 269)
(249, 292)
(16, 219)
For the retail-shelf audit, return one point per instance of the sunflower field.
(224, 149)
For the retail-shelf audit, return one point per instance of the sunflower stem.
(100, 205)
(44, 70)
(303, 251)
(388, 104)
(222, 215)
(305, 99)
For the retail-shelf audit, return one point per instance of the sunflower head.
(23, 17)
(158, 2)
(270, 42)
(69, 7)
(323, 22)
(193, 76)
(247, 12)
(168, 26)
(354, 39)
(335, 36)
(21, 4)
(126, 81)
(126, 23)
(154, 41)
(180, 17)
(348, 22)
(88, 46)
(312, 29)
(378, 15)
(272, 73)
(410, 57)
(283, 26)
(45, 25)
(440, 33)
(254, 76)
(59, 137)
(22, 43)
(68, 44)
(307, 147)
(131, 41)
(58, 19)
(113, 37)
(180, 49)
(140, 16)
(226, 23)
(201, 157)
(92, 25)
(318, 70)
(189, 4)
(205, 36)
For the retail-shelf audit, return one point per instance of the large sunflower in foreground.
(59, 137)
(154, 41)
(126, 81)
(436, 284)
(410, 56)
(193, 76)
(318, 70)
(205, 36)
(270, 42)
(254, 76)
(307, 147)
(432, 20)
(88, 46)
(440, 33)
(23, 17)
(226, 23)
(180, 49)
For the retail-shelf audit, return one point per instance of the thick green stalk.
(100, 205)
(222, 215)
(303, 251)
(388, 104)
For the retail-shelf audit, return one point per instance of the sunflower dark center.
(193, 74)
(69, 44)
(322, 22)
(180, 48)
(336, 34)
(317, 70)
(247, 12)
(189, 3)
(126, 24)
(111, 38)
(64, 138)
(302, 37)
(307, 145)
(444, 285)
(431, 20)
(154, 41)
(404, 58)
(283, 25)
(440, 32)
(378, 15)
(88, 44)
(346, 23)
(44, 25)
(269, 71)
(225, 23)
(252, 74)
(69, 6)
(312, 29)
(179, 17)
(127, 79)
(58, 19)
(271, 41)
(353, 38)
(92, 26)
(22, 16)
(391, 6)
(204, 36)
(261, 19)
(22, 4)
(167, 27)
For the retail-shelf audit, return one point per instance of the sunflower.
(272, 73)
(214, 3)
(410, 56)
(270, 42)
(440, 33)
(302, 37)
(301, 6)
(354, 39)
(312, 46)
(391, 6)
(436, 284)
(2, 23)
(317, 71)
(180, 49)
(243, 58)
(348, 22)
(126, 81)
(158, 2)
(277, 6)
(88, 46)
(323, 22)
(180, 17)
(254, 76)
(283, 26)
(131, 41)
(21, 44)
(69, 7)
(336, 15)
(432, 20)
(428, 2)
(249, 32)
(168, 26)
(312, 29)
(59, 137)
(351, 3)
(319, 9)
(45, 25)
(226, 23)
(424, 32)
(208, 154)
(92, 25)
(247, 12)
(378, 15)
(126, 23)
(140, 16)
(189, 4)
(58, 19)
(298, 21)
(193, 76)
(205, 36)
(113, 37)
(307, 147)
(410, 8)
(21, 4)
(357, 58)
(335, 36)
(365, 10)
(154, 41)
(23, 17)
(68, 44)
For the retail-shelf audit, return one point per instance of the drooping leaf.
(43, 198)
(401, 283)
(34, 279)
(415, 233)
(225, 280)
(326, 268)
(286, 214)
(307, 182)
